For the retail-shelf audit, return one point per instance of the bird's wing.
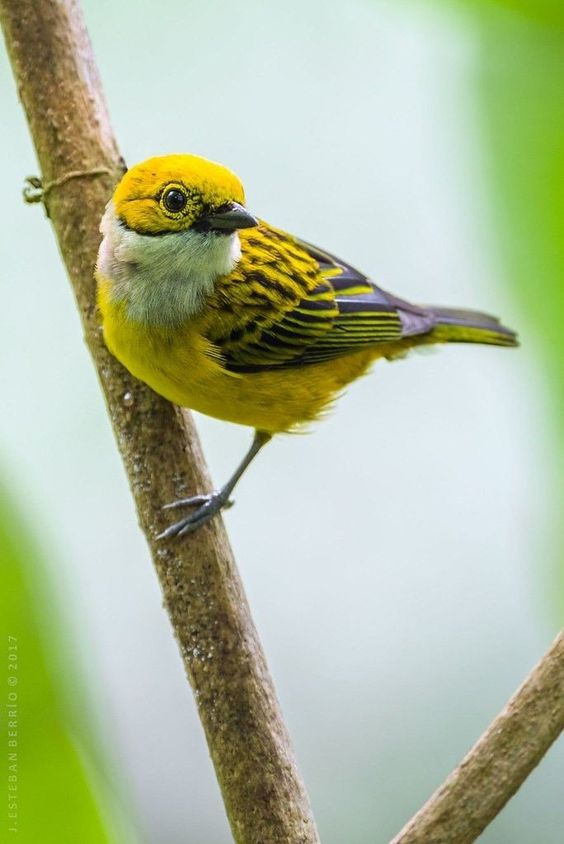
(288, 303)
(272, 307)
(367, 315)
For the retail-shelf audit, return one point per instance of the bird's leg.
(209, 505)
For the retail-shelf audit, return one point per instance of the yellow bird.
(222, 313)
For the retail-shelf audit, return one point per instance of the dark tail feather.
(452, 325)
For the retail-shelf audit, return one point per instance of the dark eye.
(174, 200)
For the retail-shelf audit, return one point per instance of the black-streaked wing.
(343, 313)
(273, 306)
(367, 314)
(284, 341)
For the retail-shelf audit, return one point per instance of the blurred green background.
(404, 563)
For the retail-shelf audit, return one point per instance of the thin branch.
(59, 87)
(499, 763)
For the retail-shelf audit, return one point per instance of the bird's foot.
(207, 506)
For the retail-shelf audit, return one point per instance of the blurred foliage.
(52, 797)
(547, 12)
(520, 92)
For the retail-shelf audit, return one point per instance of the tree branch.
(499, 763)
(59, 87)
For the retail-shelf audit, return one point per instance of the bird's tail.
(452, 325)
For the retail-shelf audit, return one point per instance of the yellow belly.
(177, 364)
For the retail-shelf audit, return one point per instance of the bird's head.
(177, 193)
(169, 232)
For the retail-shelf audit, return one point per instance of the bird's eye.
(174, 200)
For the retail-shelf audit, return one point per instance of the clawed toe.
(209, 506)
(188, 502)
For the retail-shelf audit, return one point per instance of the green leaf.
(47, 769)
(519, 89)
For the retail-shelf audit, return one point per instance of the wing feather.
(288, 303)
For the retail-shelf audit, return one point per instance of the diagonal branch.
(59, 87)
(499, 763)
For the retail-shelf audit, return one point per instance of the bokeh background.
(404, 562)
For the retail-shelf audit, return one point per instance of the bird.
(220, 312)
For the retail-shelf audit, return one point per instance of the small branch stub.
(33, 190)
(36, 190)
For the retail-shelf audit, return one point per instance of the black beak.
(226, 219)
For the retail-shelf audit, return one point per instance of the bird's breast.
(181, 365)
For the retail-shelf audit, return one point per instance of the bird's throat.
(164, 279)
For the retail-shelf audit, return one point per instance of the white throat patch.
(163, 279)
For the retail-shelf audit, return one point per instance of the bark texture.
(60, 90)
(499, 763)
